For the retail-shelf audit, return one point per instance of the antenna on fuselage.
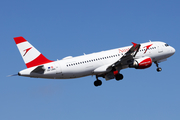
(149, 40)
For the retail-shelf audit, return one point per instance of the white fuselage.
(92, 64)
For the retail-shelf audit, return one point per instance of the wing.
(127, 58)
(124, 60)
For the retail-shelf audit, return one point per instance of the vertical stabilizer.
(31, 56)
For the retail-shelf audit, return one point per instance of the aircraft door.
(58, 68)
(160, 48)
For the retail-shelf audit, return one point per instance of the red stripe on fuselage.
(19, 40)
(38, 61)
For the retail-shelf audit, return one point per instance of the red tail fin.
(31, 56)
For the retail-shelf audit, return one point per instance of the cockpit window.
(166, 45)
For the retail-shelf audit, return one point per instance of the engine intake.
(141, 63)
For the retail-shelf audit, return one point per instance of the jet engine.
(141, 63)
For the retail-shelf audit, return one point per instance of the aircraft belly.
(74, 73)
(79, 71)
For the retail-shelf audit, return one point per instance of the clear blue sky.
(72, 27)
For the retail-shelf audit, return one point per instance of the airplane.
(106, 64)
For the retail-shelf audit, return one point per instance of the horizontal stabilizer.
(39, 69)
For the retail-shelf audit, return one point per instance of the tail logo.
(26, 50)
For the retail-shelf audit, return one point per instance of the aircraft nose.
(173, 50)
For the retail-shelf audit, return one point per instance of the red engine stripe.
(19, 40)
(38, 61)
(145, 63)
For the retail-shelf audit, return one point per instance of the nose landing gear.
(159, 69)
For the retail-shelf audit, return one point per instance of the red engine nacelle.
(141, 63)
